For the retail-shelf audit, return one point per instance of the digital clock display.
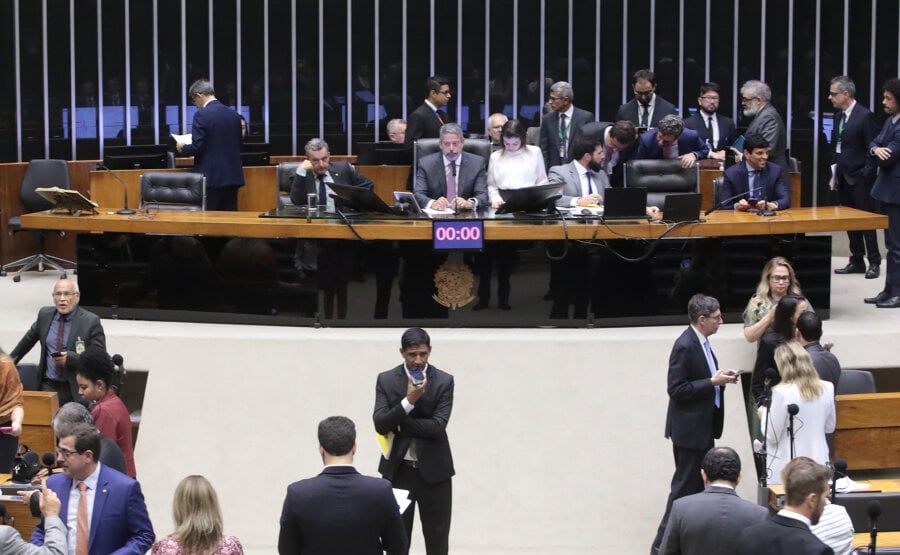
(458, 234)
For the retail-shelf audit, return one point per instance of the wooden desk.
(868, 430)
(879, 485)
(37, 428)
(24, 522)
(885, 539)
(249, 224)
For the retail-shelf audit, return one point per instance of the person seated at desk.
(670, 140)
(451, 178)
(756, 178)
(317, 171)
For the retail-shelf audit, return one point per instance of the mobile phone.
(418, 378)
(56, 354)
(5, 429)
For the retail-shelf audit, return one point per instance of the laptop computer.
(682, 207)
(359, 198)
(529, 199)
(625, 203)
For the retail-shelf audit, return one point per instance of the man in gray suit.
(451, 178)
(706, 522)
(11, 543)
(561, 125)
(583, 179)
(756, 98)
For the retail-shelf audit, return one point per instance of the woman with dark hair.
(198, 523)
(12, 412)
(515, 165)
(783, 328)
(94, 377)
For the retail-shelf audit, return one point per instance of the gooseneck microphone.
(724, 202)
(874, 510)
(119, 362)
(124, 211)
(771, 376)
(792, 412)
(840, 468)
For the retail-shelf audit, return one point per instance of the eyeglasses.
(710, 98)
(64, 294)
(780, 278)
(555, 98)
(65, 453)
(643, 94)
(834, 93)
(746, 100)
(448, 92)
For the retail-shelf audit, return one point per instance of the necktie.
(840, 132)
(667, 151)
(323, 198)
(754, 185)
(451, 181)
(82, 534)
(61, 338)
(645, 116)
(709, 129)
(437, 114)
(712, 369)
(563, 133)
(590, 182)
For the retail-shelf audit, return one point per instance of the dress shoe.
(480, 305)
(852, 268)
(879, 298)
(892, 302)
(874, 271)
(502, 305)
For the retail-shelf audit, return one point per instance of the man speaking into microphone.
(696, 390)
(762, 184)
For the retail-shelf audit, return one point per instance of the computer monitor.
(255, 154)
(529, 199)
(382, 153)
(135, 157)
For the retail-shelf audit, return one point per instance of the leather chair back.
(42, 173)
(661, 177)
(855, 381)
(284, 174)
(173, 191)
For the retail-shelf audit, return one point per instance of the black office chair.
(661, 177)
(173, 191)
(40, 173)
(28, 375)
(857, 505)
(284, 174)
(717, 183)
(855, 381)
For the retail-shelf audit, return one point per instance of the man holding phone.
(413, 403)
(11, 543)
(64, 330)
(759, 184)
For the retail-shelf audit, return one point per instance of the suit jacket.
(84, 324)
(549, 138)
(706, 522)
(119, 521)
(887, 184)
(692, 421)
(737, 181)
(769, 124)
(779, 535)
(341, 173)
(661, 109)
(426, 424)
(595, 131)
(216, 145)
(854, 163)
(341, 511)
(689, 141)
(825, 363)
(11, 543)
(727, 130)
(431, 179)
(570, 175)
(422, 123)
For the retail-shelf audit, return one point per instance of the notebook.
(625, 203)
(682, 207)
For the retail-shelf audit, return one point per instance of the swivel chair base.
(40, 261)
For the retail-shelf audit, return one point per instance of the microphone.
(840, 467)
(34, 504)
(771, 376)
(724, 202)
(124, 211)
(49, 461)
(874, 510)
(792, 412)
(793, 409)
(119, 362)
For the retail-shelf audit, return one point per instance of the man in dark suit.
(425, 121)
(646, 108)
(112, 502)
(756, 97)
(451, 178)
(619, 146)
(696, 390)
(716, 130)
(560, 126)
(806, 486)
(706, 522)
(854, 128)
(64, 330)
(340, 510)
(809, 332)
(318, 171)
(756, 179)
(885, 151)
(413, 403)
(671, 140)
(216, 147)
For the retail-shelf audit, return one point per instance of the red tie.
(60, 338)
(82, 534)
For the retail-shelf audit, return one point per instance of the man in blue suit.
(340, 510)
(755, 179)
(885, 150)
(696, 411)
(715, 130)
(113, 505)
(671, 140)
(216, 147)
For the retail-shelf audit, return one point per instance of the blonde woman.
(12, 412)
(800, 385)
(198, 523)
(778, 279)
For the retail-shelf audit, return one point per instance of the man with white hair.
(756, 97)
(561, 125)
